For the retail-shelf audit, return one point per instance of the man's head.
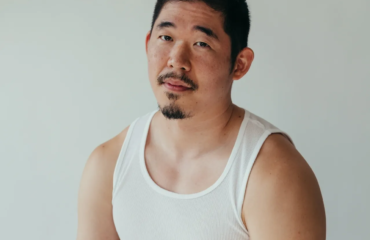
(195, 50)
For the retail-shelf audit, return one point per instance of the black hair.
(236, 21)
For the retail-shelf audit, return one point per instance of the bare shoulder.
(107, 152)
(283, 198)
(95, 220)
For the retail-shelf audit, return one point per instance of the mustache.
(182, 78)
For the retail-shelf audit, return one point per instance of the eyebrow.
(202, 29)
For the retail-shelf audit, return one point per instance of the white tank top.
(143, 210)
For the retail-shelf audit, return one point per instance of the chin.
(173, 111)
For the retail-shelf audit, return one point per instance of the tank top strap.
(129, 147)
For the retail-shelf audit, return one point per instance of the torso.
(191, 176)
(188, 177)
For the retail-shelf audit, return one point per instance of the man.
(201, 167)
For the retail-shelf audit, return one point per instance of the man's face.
(189, 66)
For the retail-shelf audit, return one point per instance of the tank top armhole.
(276, 130)
(117, 173)
(245, 179)
(251, 161)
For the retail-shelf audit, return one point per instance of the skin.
(283, 198)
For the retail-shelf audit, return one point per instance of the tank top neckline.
(170, 194)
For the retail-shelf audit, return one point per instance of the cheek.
(214, 71)
(156, 62)
(214, 63)
(157, 55)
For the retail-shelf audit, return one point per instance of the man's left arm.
(283, 199)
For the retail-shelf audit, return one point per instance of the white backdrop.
(73, 74)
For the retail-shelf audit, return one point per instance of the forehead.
(188, 14)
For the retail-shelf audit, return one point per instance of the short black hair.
(236, 21)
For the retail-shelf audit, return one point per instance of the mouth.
(176, 85)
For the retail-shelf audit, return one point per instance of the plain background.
(73, 74)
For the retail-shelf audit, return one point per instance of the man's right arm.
(95, 218)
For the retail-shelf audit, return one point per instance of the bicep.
(95, 219)
(285, 201)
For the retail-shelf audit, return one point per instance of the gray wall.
(73, 74)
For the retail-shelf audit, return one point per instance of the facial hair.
(173, 112)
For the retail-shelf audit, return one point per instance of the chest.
(184, 177)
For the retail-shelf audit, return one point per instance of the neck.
(195, 136)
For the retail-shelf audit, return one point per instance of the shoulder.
(95, 219)
(107, 152)
(278, 158)
(103, 158)
(283, 198)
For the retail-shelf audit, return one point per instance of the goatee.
(173, 112)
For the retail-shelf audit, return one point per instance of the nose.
(179, 57)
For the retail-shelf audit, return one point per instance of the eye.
(165, 38)
(202, 44)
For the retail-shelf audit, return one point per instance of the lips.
(176, 83)
(176, 88)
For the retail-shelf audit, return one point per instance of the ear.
(147, 38)
(243, 63)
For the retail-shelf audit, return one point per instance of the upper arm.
(95, 219)
(283, 198)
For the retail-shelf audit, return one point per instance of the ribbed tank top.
(143, 210)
